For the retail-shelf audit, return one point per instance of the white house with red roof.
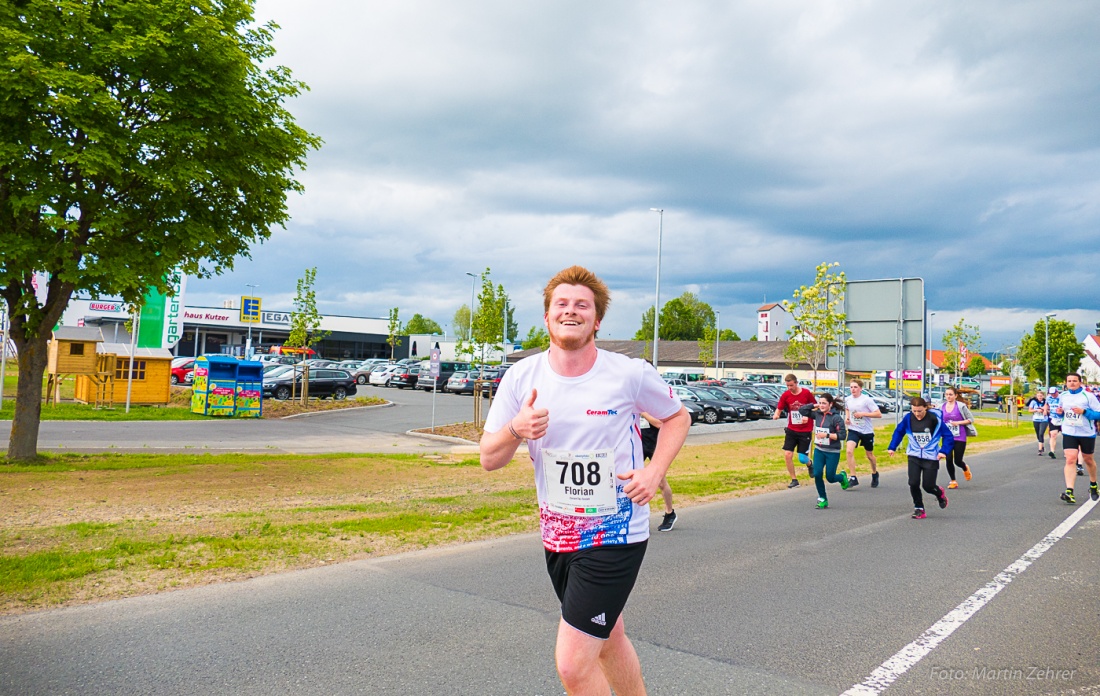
(772, 322)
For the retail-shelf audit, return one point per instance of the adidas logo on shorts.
(601, 619)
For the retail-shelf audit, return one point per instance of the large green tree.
(683, 318)
(421, 325)
(820, 327)
(140, 138)
(1066, 352)
(975, 367)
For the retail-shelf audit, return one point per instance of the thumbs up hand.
(531, 422)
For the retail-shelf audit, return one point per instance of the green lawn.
(85, 412)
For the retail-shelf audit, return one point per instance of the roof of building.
(686, 353)
(123, 349)
(937, 357)
(78, 333)
(771, 305)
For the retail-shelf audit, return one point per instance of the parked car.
(990, 397)
(492, 377)
(323, 383)
(714, 410)
(753, 394)
(363, 372)
(446, 369)
(404, 376)
(694, 410)
(755, 410)
(461, 382)
(181, 370)
(380, 375)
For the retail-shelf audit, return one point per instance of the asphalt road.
(761, 595)
(370, 429)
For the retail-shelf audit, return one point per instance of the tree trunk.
(23, 443)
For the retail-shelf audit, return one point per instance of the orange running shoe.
(966, 473)
(953, 484)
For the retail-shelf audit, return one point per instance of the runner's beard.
(570, 342)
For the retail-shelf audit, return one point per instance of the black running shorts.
(1085, 444)
(794, 440)
(594, 584)
(865, 440)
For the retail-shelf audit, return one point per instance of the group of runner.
(830, 424)
(1071, 413)
(934, 434)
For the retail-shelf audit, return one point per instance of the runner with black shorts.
(1078, 435)
(578, 408)
(799, 430)
(929, 441)
(859, 409)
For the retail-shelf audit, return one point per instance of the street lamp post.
(717, 333)
(504, 337)
(1011, 410)
(248, 343)
(473, 284)
(657, 294)
(1046, 337)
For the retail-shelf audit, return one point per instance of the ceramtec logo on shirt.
(608, 412)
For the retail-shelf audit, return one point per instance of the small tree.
(819, 326)
(729, 335)
(537, 337)
(489, 319)
(394, 328)
(706, 347)
(305, 320)
(645, 332)
(958, 337)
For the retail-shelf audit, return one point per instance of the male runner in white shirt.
(578, 408)
(859, 409)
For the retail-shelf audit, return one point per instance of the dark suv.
(339, 384)
(446, 369)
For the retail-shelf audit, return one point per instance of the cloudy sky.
(957, 142)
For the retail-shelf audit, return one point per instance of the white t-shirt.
(1072, 423)
(594, 419)
(863, 404)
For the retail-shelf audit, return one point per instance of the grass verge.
(78, 528)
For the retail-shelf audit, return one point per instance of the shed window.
(76, 349)
(123, 363)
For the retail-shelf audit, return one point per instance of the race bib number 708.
(580, 483)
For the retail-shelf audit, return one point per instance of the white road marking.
(888, 672)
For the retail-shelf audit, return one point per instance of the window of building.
(76, 349)
(122, 363)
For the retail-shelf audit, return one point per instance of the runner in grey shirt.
(859, 409)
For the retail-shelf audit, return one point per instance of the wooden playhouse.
(151, 380)
(72, 351)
